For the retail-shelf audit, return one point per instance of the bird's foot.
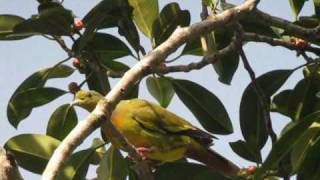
(142, 151)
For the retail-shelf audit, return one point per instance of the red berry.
(78, 24)
(252, 169)
(73, 87)
(76, 62)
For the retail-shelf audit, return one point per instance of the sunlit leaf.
(161, 89)
(7, 24)
(77, 166)
(144, 14)
(286, 142)
(62, 121)
(112, 166)
(296, 6)
(32, 151)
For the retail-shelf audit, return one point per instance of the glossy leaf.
(161, 89)
(303, 143)
(228, 64)
(252, 120)
(303, 99)
(62, 121)
(32, 151)
(204, 105)
(144, 14)
(105, 46)
(296, 6)
(280, 102)
(112, 166)
(52, 21)
(170, 18)
(77, 166)
(23, 103)
(193, 47)
(179, 170)
(36, 80)
(116, 66)
(245, 151)
(7, 24)
(286, 142)
(112, 13)
(310, 168)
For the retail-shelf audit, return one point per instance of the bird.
(158, 134)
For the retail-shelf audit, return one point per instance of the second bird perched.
(157, 133)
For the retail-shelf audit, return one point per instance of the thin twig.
(263, 100)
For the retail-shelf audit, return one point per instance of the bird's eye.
(89, 95)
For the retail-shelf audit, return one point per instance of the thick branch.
(104, 107)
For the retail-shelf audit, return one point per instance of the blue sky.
(19, 59)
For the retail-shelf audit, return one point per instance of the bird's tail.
(213, 160)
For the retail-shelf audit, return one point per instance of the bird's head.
(87, 99)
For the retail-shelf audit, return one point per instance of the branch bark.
(105, 106)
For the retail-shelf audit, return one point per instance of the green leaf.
(311, 162)
(36, 80)
(193, 47)
(286, 142)
(303, 99)
(252, 121)
(144, 14)
(105, 46)
(179, 170)
(52, 20)
(228, 64)
(251, 23)
(303, 143)
(170, 18)
(112, 166)
(112, 13)
(60, 71)
(62, 121)
(317, 6)
(161, 89)
(116, 66)
(7, 24)
(22, 103)
(133, 92)
(32, 151)
(245, 151)
(280, 102)
(204, 105)
(296, 6)
(77, 166)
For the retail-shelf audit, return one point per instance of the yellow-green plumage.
(168, 136)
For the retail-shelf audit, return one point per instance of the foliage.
(99, 53)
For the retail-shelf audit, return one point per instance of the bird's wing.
(156, 118)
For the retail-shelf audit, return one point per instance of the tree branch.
(310, 34)
(279, 42)
(105, 106)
